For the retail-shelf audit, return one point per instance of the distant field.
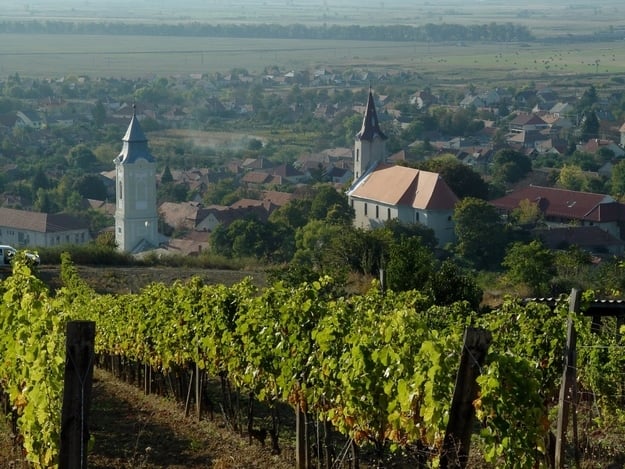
(133, 56)
(543, 18)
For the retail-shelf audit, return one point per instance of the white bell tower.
(136, 218)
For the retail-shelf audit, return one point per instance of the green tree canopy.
(463, 180)
(590, 126)
(330, 204)
(480, 233)
(90, 186)
(81, 157)
(448, 283)
(510, 166)
(410, 264)
(617, 180)
(532, 264)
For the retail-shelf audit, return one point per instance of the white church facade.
(136, 217)
(381, 192)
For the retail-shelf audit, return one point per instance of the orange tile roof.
(400, 185)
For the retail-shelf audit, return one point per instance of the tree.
(217, 193)
(510, 166)
(527, 213)
(573, 178)
(410, 264)
(81, 157)
(480, 233)
(588, 100)
(90, 186)
(617, 180)
(44, 202)
(294, 214)
(461, 179)
(167, 177)
(448, 284)
(328, 202)
(40, 181)
(318, 246)
(532, 264)
(590, 126)
(398, 230)
(99, 114)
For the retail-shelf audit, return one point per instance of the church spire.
(370, 124)
(135, 142)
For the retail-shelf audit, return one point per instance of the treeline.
(491, 32)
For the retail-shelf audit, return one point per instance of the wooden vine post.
(568, 388)
(79, 358)
(301, 438)
(460, 425)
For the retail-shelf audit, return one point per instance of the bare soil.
(132, 430)
(108, 279)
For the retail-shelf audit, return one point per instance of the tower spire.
(370, 123)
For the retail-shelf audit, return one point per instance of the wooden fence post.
(568, 388)
(301, 439)
(460, 425)
(79, 345)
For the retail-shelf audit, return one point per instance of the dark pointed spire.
(135, 142)
(370, 124)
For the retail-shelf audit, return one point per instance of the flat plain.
(130, 56)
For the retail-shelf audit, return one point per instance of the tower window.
(357, 154)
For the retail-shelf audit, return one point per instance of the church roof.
(39, 221)
(135, 144)
(400, 185)
(370, 123)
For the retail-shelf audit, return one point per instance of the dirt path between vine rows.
(132, 430)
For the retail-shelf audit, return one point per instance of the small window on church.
(357, 154)
(121, 191)
(377, 211)
(416, 216)
(388, 213)
(365, 208)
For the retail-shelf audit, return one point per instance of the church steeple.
(135, 143)
(369, 147)
(370, 124)
(136, 217)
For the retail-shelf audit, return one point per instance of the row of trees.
(431, 32)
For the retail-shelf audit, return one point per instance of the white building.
(21, 228)
(136, 219)
(382, 192)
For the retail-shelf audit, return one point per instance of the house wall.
(27, 238)
(610, 227)
(208, 224)
(376, 214)
(370, 214)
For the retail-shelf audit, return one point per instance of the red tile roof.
(566, 204)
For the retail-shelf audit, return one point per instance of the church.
(381, 191)
(136, 218)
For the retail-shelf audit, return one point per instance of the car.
(7, 253)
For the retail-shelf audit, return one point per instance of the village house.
(21, 228)
(566, 208)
